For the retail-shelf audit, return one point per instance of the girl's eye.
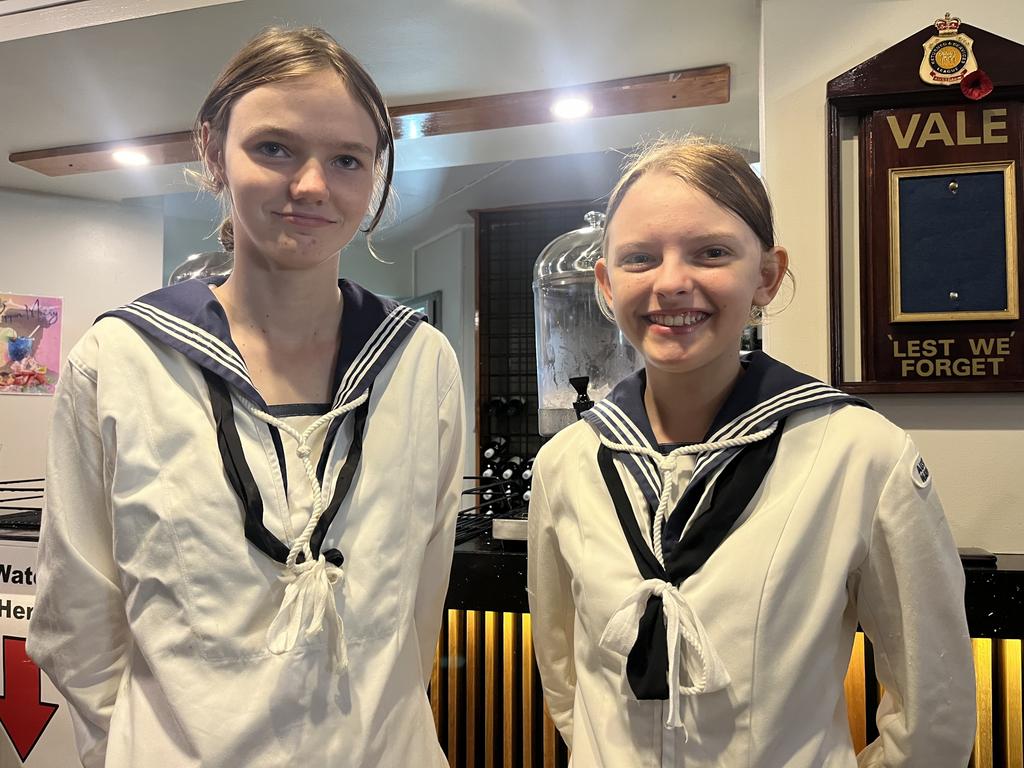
(716, 253)
(348, 162)
(635, 259)
(272, 149)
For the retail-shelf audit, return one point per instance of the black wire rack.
(476, 519)
(21, 503)
(508, 243)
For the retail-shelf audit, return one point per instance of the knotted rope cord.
(681, 622)
(309, 596)
(667, 469)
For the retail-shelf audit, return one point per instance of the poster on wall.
(35, 724)
(29, 343)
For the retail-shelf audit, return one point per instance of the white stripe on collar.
(188, 318)
(770, 411)
(377, 347)
(190, 334)
(611, 419)
(619, 428)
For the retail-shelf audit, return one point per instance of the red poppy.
(976, 85)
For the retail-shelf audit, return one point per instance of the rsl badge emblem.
(920, 474)
(948, 55)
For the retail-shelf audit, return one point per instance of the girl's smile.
(682, 272)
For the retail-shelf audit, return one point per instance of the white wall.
(447, 263)
(96, 256)
(359, 265)
(973, 443)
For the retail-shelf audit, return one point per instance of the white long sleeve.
(910, 602)
(437, 560)
(551, 608)
(79, 633)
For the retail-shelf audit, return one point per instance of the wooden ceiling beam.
(699, 87)
(626, 96)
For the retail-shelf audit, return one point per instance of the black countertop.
(490, 575)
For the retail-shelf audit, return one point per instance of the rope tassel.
(309, 596)
(308, 600)
(696, 655)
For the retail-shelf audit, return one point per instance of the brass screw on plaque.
(954, 296)
(953, 187)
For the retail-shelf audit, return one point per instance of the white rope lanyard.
(696, 653)
(309, 596)
(667, 465)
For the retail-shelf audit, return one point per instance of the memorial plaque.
(939, 216)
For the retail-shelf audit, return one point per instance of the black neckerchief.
(734, 488)
(248, 492)
(730, 477)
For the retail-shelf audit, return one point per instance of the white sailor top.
(697, 607)
(225, 583)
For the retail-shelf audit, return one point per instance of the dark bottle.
(489, 469)
(526, 473)
(514, 406)
(496, 406)
(513, 497)
(487, 502)
(526, 495)
(510, 468)
(494, 447)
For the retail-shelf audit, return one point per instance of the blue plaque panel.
(952, 243)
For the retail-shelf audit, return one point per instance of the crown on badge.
(948, 25)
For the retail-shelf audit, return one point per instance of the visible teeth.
(687, 318)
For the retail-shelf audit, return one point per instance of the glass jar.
(574, 339)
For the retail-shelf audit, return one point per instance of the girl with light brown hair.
(253, 481)
(703, 546)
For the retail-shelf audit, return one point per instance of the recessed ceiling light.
(411, 127)
(571, 108)
(130, 157)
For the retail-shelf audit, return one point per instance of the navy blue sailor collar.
(768, 392)
(187, 317)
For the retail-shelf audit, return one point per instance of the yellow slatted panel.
(1009, 652)
(527, 698)
(456, 706)
(510, 682)
(490, 685)
(982, 755)
(435, 686)
(509, 699)
(550, 740)
(856, 695)
(473, 622)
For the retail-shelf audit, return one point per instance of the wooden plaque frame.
(905, 128)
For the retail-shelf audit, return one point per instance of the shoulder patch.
(920, 474)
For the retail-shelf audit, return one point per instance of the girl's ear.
(213, 155)
(774, 264)
(601, 275)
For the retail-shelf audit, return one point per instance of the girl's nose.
(310, 183)
(674, 276)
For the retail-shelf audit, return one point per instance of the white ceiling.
(148, 75)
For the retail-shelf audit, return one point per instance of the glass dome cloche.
(207, 264)
(574, 339)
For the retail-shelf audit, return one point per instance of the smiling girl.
(253, 481)
(704, 544)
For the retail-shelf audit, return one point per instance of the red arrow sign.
(23, 714)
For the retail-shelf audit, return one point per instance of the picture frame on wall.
(30, 343)
(937, 214)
